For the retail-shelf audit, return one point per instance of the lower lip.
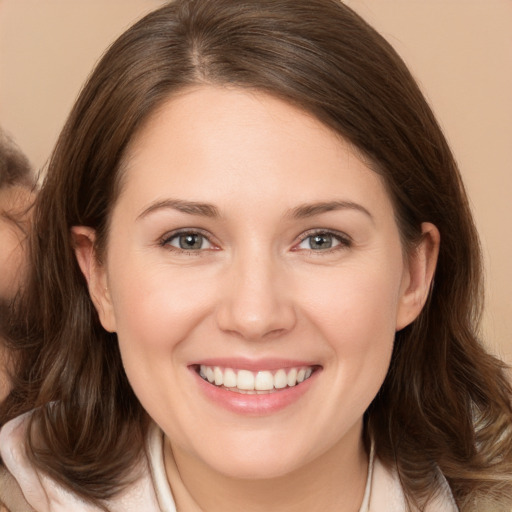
(254, 405)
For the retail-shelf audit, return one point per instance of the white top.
(151, 491)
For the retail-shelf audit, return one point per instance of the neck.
(334, 482)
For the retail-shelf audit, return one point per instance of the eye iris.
(191, 241)
(320, 242)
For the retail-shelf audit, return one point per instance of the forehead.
(208, 141)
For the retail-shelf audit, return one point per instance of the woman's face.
(252, 246)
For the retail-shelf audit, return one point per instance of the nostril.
(255, 322)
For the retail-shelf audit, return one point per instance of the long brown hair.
(444, 408)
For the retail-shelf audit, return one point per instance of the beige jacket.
(24, 489)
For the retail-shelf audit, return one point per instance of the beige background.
(459, 50)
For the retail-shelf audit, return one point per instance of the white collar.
(151, 491)
(155, 450)
(161, 480)
(44, 494)
(383, 492)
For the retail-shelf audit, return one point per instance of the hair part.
(444, 407)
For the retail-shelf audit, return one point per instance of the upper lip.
(254, 365)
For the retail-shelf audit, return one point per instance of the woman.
(256, 282)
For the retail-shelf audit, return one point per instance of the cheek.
(156, 307)
(355, 315)
(356, 306)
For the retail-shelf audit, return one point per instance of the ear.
(94, 273)
(418, 276)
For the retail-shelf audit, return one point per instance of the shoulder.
(387, 494)
(11, 497)
(12, 452)
(36, 489)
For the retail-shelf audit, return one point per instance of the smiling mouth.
(260, 382)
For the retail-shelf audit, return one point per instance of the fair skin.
(249, 237)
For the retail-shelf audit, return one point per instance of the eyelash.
(344, 241)
(167, 238)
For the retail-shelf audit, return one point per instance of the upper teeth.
(246, 380)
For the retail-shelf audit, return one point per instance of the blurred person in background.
(16, 195)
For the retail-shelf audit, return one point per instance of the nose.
(256, 301)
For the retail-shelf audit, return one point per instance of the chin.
(256, 469)
(256, 460)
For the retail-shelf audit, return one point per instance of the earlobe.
(83, 242)
(422, 263)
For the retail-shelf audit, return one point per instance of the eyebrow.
(190, 207)
(312, 209)
(209, 210)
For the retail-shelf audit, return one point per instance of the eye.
(322, 241)
(188, 241)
